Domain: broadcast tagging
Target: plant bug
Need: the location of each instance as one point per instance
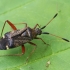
(19, 37)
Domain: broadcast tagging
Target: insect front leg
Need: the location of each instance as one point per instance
(41, 40)
(36, 26)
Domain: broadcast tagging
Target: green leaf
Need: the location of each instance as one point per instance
(53, 57)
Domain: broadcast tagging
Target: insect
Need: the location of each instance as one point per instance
(19, 37)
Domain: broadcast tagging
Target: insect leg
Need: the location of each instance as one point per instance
(41, 40)
(21, 23)
(56, 36)
(23, 51)
(32, 50)
(36, 26)
(11, 24)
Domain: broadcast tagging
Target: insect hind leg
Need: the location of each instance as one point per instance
(11, 25)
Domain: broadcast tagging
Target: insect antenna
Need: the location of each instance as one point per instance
(50, 21)
(56, 36)
(53, 34)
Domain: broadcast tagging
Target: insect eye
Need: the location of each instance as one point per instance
(38, 31)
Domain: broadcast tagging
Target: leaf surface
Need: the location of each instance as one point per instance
(53, 57)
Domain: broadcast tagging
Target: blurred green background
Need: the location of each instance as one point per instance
(33, 12)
